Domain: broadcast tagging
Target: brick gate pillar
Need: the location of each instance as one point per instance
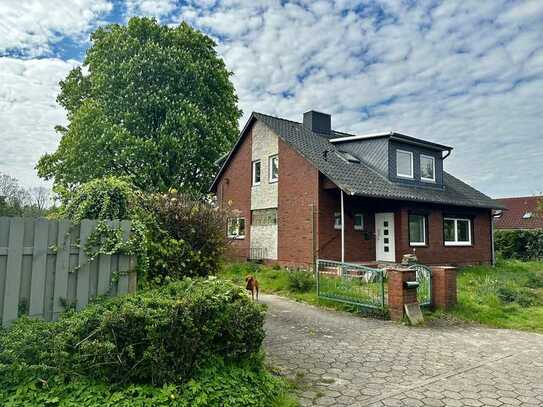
(443, 287)
(398, 293)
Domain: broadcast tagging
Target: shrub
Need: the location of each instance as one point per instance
(221, 385)
(535, 280)
(154, 337)
(521, 296)
(520, 244)
(101, 198)
(187, 236)
(300, 281)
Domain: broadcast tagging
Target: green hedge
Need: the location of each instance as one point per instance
(245, 385)
(519, 244)
(154, 337)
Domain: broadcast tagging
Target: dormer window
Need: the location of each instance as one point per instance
(427, 168)
(404, 164)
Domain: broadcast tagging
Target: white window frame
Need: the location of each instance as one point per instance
(433, 168)
(337, 215)
(270, 168)
(456, 242)
(253, 172)
(236, 236)
(397, 167)
(359, 227)
(423, 243)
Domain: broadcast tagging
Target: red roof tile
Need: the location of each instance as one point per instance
(517, 208)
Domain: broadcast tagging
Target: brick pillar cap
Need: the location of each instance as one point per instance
(443, 267)
(400, 269)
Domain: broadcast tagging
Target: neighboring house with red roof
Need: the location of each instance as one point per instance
(521, 213)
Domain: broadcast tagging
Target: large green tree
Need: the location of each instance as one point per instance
(152, 103)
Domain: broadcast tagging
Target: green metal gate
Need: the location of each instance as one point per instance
(424, 278)
(351, 284)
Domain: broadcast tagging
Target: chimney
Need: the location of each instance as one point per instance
(318, 122)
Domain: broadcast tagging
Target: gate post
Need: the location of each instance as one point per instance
(400, 293)
(443, 287)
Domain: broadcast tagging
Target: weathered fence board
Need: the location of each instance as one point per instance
(44, 268)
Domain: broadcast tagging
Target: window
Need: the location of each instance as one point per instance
(417, 230)
(427, 168)
(457, 232)
(337, 220)
(236, 228)
(358, 221)
(256, 172)
(404, 164)
(264, 217)
(274, 168)
(527, 215)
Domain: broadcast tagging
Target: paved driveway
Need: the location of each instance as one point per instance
(345, 360)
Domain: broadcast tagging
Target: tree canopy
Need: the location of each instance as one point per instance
(152, 103)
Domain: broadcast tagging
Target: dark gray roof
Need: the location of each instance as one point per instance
(359, 178)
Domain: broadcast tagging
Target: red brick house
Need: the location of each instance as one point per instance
(338, 196)
(521, 214)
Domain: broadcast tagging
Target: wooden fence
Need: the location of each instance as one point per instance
(44, 269)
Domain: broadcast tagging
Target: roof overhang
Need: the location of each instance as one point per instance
(394, 135)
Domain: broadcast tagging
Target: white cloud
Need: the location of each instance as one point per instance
(154, 8)
(30, 26)
(468, 74)
(28, 113)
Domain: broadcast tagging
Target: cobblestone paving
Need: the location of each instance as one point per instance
(344, 360)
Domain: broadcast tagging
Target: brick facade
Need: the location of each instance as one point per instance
(298, 198)
(234, 192)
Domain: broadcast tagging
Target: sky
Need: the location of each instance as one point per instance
(463, 73)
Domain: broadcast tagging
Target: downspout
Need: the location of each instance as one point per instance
(342, 230)
(493, 254)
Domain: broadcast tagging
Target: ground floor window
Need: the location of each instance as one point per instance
(417, 230)
(264, 217)
(236, 228)
(358, 221)
(457, 231)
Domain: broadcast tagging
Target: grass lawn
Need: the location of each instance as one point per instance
(276, 281)
(509, 295)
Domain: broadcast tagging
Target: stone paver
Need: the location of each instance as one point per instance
(344, 360)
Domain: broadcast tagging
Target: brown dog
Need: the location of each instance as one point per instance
(252, 286)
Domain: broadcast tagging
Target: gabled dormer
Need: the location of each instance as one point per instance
(402, 159)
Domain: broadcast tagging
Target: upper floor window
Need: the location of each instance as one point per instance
(358, 221)
(274, 168)
(427, 168)
(457, 232)
(256, 172)
(404, 164)
(417, 230)
(236, 228)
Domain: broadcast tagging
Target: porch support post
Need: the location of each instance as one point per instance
(342, 230)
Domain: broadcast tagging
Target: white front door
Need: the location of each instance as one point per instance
(384, 237)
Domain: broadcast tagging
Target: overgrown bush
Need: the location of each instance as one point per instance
(300, 281)
(101, 198)
(520, 244)
(187, 237)
(153, 337)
